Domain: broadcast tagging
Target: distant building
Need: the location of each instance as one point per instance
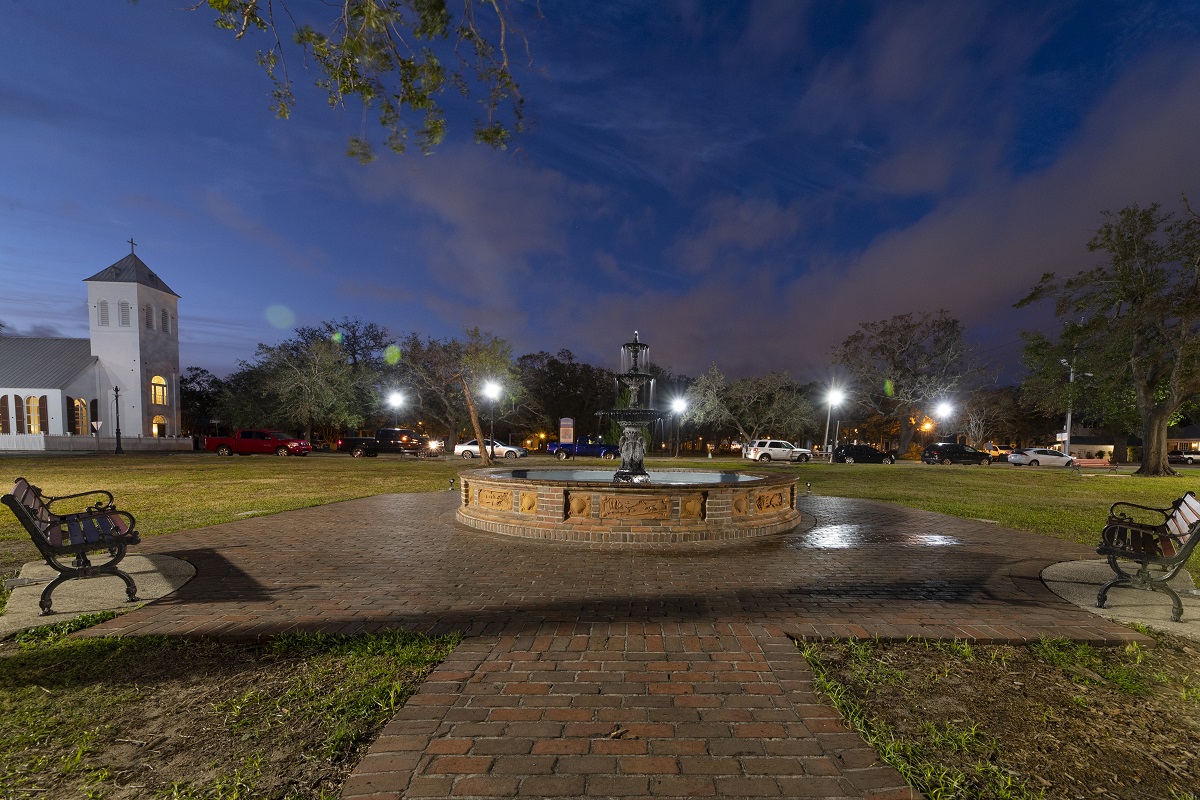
(59, 394)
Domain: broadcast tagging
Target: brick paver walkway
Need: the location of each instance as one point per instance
(600, 671)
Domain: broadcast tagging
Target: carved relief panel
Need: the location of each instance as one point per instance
(579, 504)
(768, 501)
(496, 499)
(691, 506)
(627, 507)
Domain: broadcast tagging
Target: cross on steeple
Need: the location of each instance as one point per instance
(132, 245)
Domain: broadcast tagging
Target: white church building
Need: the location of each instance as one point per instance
(62, 394)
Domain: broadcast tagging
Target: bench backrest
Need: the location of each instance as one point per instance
(30, 499)
(1182, 523)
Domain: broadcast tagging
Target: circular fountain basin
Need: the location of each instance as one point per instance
(584, 505)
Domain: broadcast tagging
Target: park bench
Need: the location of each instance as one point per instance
(97, 526)
(1093, 463)
(1164, 541)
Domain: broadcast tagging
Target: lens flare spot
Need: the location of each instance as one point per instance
(889, 388)
(281, 317)
(392, 355)
(337, 337)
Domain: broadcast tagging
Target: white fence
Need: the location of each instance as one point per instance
(42, 442)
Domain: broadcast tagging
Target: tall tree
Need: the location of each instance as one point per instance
(757, 406)
(428, 367)
(397, 57)
(445, 374)
(364, 345)
(1139, 314)
(198, 392)
(314, 383)
(560, 386)
(899, 366)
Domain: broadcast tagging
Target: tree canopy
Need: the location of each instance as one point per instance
(398, 57)
(1135, 318)
(898, 367)
(771, 405)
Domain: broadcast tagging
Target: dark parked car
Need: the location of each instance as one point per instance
(1183, 457)
(861, 454)
(954, 453)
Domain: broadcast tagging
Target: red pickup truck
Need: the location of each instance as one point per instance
(247, 442)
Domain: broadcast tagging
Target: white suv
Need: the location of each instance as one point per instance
(775, 450)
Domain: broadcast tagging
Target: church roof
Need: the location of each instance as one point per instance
(35, 363)
(131, 269)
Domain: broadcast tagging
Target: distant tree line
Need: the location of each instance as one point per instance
(1126, 362)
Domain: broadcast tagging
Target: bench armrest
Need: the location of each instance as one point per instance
(1120, 512)
(103, 501)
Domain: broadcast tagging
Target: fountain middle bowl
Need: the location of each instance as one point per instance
(584, 505)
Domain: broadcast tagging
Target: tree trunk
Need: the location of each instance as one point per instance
(1154, 444)
(1120, 448)
(906, 433)
(484, 453)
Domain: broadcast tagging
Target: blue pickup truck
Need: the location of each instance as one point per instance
(593, 446)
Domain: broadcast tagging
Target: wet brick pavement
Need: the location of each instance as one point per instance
(605, 671)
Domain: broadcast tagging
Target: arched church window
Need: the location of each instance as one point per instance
(165, 327)
(158, 426)
(4, 414)
(80, 417)
(158, 391)
(103, 311)
(149, 318)
(33, 415)
(123, 309)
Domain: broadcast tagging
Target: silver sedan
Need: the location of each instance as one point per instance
(1040, 456)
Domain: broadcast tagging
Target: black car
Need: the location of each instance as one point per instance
(954, 453)
(861, 454)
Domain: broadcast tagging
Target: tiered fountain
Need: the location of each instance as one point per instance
(633, 420)
(632, 506)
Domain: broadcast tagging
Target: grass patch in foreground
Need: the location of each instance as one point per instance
(996, 722)
(152, 717)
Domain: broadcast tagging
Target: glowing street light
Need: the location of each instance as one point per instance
(395, 400)
(491, 390)
(678, 405)
(943, 412)
(836, 396)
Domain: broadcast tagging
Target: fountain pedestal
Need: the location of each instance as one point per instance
(632, 419)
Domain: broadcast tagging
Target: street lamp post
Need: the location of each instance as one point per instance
(491, 390)
(120, 451)
(394, 401)
(1070, 365)
(835, 398)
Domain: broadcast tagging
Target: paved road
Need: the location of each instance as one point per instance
(603, 671)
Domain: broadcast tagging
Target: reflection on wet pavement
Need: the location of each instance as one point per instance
(833, 537)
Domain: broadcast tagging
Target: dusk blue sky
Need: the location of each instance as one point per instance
(742, 183)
